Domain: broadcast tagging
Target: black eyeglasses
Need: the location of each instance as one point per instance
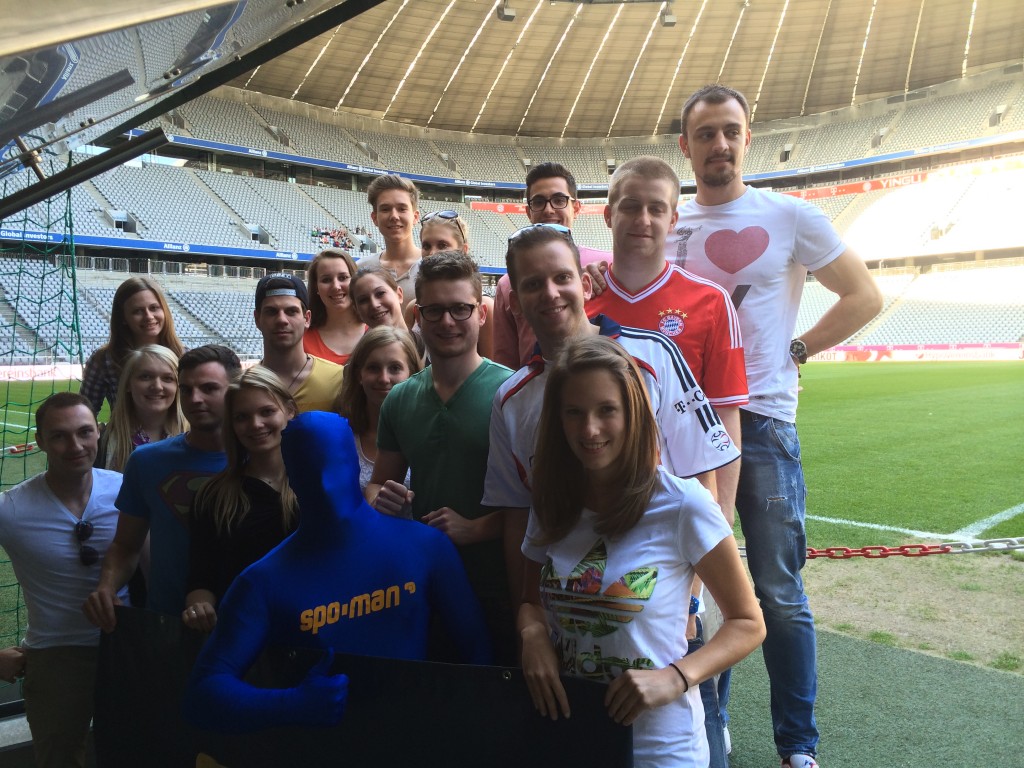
(558, 201)
(434, 312)
(560, 229)
(87, 554)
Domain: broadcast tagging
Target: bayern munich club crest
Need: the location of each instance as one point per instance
(670, 321)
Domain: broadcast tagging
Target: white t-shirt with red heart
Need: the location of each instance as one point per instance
(759, 247)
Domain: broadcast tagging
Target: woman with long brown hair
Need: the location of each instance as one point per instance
(334, 327)
(384, 357)
(614, 542)
(139, 316)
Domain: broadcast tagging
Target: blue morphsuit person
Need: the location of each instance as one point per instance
(350, 579)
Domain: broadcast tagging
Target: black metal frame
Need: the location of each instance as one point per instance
(115, 156)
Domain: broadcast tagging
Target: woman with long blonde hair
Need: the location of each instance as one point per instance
(248, 508)
(139, 316)
(147, 406)
(613, 544)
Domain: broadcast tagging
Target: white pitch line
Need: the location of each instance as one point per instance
(974, 529)
(877, 527)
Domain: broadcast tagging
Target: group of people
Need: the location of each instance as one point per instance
(547, 480)
(334, 238)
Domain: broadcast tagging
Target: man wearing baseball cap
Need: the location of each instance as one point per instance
(282, 317)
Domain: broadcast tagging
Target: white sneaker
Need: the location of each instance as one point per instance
(727, 738)
(799, 761)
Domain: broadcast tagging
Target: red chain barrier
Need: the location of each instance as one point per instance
(879, 552)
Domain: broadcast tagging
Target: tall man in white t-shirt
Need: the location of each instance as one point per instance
(55, 527)
(759, 246)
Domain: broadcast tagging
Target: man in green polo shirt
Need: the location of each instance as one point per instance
(436, 423)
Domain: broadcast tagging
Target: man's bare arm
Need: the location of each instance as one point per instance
(727, 478)
(859, 301)
(385, 491)
(119, 564)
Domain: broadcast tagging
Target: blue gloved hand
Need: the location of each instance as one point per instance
(320, 698)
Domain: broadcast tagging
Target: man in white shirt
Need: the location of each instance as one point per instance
(550, 199)
(549, 291)
(759, 246)
(56, 527)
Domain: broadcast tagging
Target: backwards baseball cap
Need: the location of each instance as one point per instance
(280, 284)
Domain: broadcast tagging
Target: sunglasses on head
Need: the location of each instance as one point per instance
(560, 229)
(449, 215)
(439, 215)
(87, 554)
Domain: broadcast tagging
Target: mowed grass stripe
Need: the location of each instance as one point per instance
(926, 446)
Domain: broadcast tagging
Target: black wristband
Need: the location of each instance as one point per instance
(680, 673)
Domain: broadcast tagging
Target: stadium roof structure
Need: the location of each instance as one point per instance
(598, 69)
(571, 68)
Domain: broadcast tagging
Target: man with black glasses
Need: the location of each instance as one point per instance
(550, 199)
(55, 527)
(436, 424)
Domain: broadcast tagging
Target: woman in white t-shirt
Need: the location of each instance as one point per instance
(613, 542)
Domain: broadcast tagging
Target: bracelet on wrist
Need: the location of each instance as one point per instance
(686, 682)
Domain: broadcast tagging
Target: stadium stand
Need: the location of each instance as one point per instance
(228, 314)
(284, 211)
(821, 145)
(589, 164)
(406, 153)
(170, 204)
(959, 306)
(227, 121)
(942, 119)
(314, 138)
(960, 213)
(484, 161)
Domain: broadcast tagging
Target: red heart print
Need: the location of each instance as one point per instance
(732, 251)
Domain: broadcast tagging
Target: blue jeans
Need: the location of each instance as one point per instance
(771, 504)
(712, 718)
(724, 681)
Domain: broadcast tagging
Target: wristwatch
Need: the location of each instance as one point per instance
(694, 604)
(798, 351)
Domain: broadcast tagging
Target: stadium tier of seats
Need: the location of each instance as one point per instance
(963, 305)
